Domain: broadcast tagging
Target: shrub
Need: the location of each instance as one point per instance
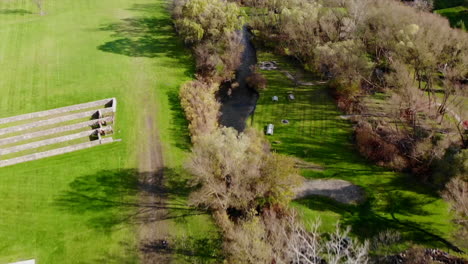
(211, 27)
(257, 81)
(237, 173)
(374, 147)
(200, 106)
(198, 20)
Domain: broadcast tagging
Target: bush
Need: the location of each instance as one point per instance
(200, 106)
(257, 81)
(199, 20)
(211, 26)
(237, 173)
(372, 146)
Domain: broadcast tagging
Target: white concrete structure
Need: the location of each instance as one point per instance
(31, 261)
(291, 97)
(38, 133)
(270, 129)
(275, 98)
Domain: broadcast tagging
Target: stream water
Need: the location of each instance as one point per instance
(238, 103)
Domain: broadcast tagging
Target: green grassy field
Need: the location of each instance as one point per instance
(82, 207)
(317, 134)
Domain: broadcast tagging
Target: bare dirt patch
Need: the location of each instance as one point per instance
(338, 190)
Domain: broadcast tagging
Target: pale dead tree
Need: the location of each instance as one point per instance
(460, 120)
(343, 249)
(310, 247)
(40, 6)
(358, 12)
(304, 246)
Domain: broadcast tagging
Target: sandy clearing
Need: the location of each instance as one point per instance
(338, 190)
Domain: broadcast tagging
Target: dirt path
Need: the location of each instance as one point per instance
(153, 229)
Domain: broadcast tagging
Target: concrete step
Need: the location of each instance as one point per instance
(52, 121)
(58, 111)
(47, 142)
(55, 152)
(55, 130)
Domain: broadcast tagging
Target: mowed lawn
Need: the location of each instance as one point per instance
(82, 207)
(317, 134)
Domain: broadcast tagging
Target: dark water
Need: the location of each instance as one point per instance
(238, 103)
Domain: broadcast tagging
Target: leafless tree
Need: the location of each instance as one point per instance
(310, 247)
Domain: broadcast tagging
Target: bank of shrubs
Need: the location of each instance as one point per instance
(210, 28)
(362, 47)
(245, 186)
(366, 46)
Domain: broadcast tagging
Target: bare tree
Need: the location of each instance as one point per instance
(310, 247)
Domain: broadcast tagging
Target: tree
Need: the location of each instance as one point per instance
(200, 106)
(346, 62)
(236, 172)
(295, 244)
(211, 28)
(198, 20)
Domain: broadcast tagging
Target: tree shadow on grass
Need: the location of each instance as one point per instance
(149, 37)
(179, 126)
(366, 222)
(204, 250)
(110, 199)
(14, 12)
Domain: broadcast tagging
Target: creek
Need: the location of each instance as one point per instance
(238, 101)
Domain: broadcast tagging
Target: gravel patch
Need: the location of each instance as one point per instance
(338, 190)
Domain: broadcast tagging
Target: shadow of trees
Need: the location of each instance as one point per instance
(109, 200)
(14, 12)
(366, 222)
(204, 250)
(179, 127)
(110, 197)
(147, 36)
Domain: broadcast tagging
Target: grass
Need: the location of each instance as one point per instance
(317, 134)
(456, 11)
(81, 207)
(441, 4)
(455, 15)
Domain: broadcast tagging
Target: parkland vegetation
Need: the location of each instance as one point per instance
(369, 94)
(399, 73)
